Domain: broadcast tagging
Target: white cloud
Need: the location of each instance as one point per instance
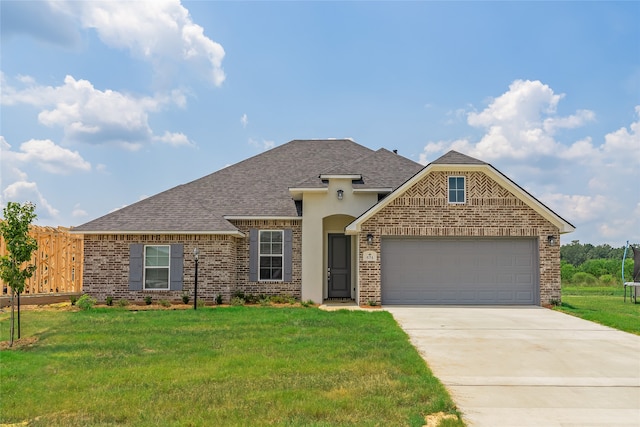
(78, 212)
(577, 207)
(622, 228)
(161, 32)
(23, 191)
(9, 170)
(176, 139)
(521, 122)
(592, 182)
(244, 120)
(93, 116)
(579, 150)
(51, 157)
(624, 144)
(434, 149)
(43, 154)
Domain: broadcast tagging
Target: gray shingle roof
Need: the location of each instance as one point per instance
(379, 169)
(455, 158)
(258, 186)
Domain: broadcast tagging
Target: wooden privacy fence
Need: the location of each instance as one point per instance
(58, 261)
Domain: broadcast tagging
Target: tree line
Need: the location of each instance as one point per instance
(602, 262)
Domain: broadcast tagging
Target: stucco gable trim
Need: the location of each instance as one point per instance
(563, 225)
(340, 176)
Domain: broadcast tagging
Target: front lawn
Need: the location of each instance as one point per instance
(216, 366)
(604, 305)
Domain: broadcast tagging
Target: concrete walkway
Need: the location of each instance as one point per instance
(528, 366)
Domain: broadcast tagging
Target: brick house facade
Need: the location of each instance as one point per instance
(490, 211)
(316, 219)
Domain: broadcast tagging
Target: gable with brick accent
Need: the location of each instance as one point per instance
(495, 210)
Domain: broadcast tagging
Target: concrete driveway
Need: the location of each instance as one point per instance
(528, 366)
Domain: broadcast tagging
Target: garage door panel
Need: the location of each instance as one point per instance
(459, 271)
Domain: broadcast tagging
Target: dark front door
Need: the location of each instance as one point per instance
(339, 268)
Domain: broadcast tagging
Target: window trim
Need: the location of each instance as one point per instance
(464, 190)
(144, 269)
(281, 255)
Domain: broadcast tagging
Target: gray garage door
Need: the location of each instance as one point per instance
(459, 271)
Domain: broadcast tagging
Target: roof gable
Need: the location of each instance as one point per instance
(455, 158)
(466, 163)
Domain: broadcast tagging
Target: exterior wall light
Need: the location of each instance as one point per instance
(369, 238)
(340, 194)
(551, 240)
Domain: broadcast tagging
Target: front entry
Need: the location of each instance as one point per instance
(339, 266)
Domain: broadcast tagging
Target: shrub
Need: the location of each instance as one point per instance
(567, 271)
(148, 300)
(85, 302)
(251, 299)
(237, 301)
(607, 279)
(265, 301)
(238, 294)
(599, 267)
(109, 300)
(307, 303)
(584, 279)
(283, 299)
(123, 302)
(165, 303)
(185, 298)
(73, 299)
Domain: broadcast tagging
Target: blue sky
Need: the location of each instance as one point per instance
(105, 103)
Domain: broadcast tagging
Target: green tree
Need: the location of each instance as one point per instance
(20, 246)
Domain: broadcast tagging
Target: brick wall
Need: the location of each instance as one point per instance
(490, 211)
(106, 266)
(293, 288)
(223, 266)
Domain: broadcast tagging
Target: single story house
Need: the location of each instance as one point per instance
(332, 219)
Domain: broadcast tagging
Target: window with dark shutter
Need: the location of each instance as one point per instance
(270, 255)
(136, 267)
(176, 267)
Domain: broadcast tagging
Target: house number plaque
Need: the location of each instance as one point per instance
(370, 256)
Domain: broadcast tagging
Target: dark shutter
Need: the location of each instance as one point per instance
(288, 255)
(253, 255)
(136, 260)
(176, 266)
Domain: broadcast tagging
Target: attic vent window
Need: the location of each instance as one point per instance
(457, 189)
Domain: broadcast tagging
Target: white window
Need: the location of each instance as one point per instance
(457, 189)
(271, 254)
(156, 267)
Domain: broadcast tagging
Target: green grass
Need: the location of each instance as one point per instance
(603, 305)
(216, 366)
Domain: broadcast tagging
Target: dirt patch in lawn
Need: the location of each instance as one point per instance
(19, 344)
